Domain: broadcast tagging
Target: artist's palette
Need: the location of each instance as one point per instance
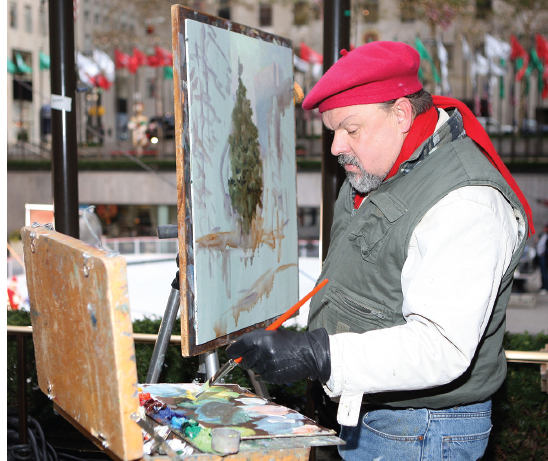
(227, 406)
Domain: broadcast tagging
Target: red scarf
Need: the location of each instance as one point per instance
(423, 127)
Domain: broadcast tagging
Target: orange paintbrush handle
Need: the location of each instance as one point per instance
(292, 310)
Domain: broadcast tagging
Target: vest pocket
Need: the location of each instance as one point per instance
(346, 311)
(381, 214)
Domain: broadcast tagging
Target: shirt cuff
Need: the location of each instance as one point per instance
(350, 402)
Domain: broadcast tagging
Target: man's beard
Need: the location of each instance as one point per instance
(363, 182)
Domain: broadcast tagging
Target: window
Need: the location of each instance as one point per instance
(265, 14)
(483, 8)
(408, 11)
(301, 13)
(43, 20)
(28, 19)
(224, 9)
(88, 44)
(13, 15)
(151, 88)
(22, 82)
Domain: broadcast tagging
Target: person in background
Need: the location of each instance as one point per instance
(428, 229)
(541, 253)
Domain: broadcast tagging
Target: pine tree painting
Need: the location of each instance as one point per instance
(245, 185)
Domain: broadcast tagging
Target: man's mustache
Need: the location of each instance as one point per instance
(348, 159)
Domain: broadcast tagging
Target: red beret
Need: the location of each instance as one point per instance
(372, 73)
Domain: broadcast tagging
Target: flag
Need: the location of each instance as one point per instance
(300, 64)
(520, 56)
(424, 54)
(136, 60)
(164, 56)
(444, 59)
(44, 61)
(87, 69)
(542, 52)
(168, 73)
(496, 49)
(154, 61)
(536, 64)
(481, 64)
(139, 56)
(23, 67)
(12, 68)
(501, 79)
(466, 52)
(309, 55)
(105, 63)
(121, 59)
(102, 82)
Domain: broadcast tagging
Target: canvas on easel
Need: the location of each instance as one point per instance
(236, 177)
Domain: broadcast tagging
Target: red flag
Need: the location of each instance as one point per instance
(542, 47)
(102, 82)
(139, 56)
(121, 59)
(542, 52)
(518, 52)
(133, 64)
(153, 61)
(309, 55)
(165, 58)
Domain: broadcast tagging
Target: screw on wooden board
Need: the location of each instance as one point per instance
(86, 268)
(33, 242)
(50, 387)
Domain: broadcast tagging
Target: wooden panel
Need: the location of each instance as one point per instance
(82, 330)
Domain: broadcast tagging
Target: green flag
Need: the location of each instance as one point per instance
(22, 65)
(12, 68)
(168, 73)
(44, 61)
(501, 79)
(424, 54)
(537, 65)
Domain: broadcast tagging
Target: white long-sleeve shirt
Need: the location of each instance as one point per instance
(457, 256)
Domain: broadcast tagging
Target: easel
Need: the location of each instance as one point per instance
(85, 355)
(209, 361)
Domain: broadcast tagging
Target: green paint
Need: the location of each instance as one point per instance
(244, 431)
(199, 436)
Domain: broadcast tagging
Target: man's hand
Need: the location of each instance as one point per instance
(284, 356)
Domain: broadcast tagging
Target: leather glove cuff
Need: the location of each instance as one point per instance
(319, 342)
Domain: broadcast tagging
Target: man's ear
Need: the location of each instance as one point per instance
(404, 114)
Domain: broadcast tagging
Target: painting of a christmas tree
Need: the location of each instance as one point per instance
(245, 184)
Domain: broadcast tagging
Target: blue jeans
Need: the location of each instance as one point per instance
(453, 434)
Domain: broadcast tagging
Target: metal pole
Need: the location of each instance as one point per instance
(336, 36)
(164, 335)
(63, 117)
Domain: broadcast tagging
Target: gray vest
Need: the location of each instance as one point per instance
(369, 247)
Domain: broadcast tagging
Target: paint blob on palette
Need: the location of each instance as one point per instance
(226, 405)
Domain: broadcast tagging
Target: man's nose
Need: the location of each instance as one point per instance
(338, 146)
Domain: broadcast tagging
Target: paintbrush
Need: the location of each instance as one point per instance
(228, 366)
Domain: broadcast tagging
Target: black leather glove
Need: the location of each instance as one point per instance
(284, 356)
